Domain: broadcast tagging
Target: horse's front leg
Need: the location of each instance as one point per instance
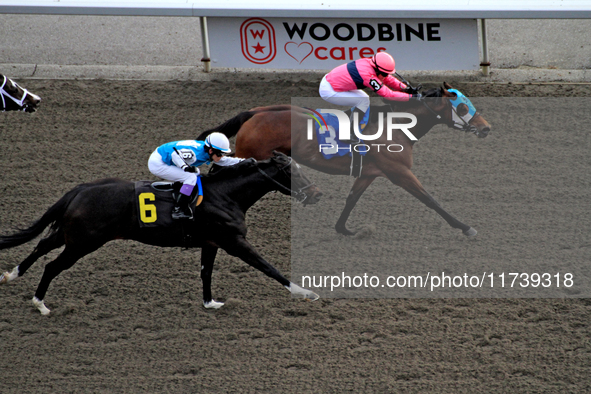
(208, 254)
(242, 249)
(409, 182)
(359, 186)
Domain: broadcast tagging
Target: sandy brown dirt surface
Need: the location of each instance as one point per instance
(128, 318)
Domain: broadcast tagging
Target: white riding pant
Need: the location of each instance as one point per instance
(352, 98)
(169, 173)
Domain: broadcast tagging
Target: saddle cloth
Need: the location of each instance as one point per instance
(328, 141)
(154, 205)
(155, 201)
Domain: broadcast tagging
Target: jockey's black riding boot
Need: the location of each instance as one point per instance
(182, 209)
(360, 114)
(356, 158)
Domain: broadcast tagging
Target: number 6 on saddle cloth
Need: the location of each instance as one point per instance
(155, 201)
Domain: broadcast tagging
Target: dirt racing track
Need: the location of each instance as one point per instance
(128, 318)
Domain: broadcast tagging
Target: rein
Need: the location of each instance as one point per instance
(297, 194)
(3, 93)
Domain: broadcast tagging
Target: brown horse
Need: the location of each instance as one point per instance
(15, 98)
(284, 128)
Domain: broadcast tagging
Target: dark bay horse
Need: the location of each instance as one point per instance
(15, 98)
(92, 214)
(284, 128)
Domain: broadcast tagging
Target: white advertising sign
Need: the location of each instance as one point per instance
(322, 44)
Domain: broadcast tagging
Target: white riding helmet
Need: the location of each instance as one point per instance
(218, 141)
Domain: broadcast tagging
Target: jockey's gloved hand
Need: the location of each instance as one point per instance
(411, 90)
(417, 96)
(250, 160)
(191, 169)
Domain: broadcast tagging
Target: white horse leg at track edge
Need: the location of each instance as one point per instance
(41, 306)
(471, 232)
(301, 292)
(213, 304)
(9, 276)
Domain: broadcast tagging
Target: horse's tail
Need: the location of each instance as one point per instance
(52, 217)
(230, 127)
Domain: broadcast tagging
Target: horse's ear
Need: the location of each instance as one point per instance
(277, 154)
(445, 91)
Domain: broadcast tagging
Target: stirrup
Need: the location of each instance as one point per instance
(178, 213)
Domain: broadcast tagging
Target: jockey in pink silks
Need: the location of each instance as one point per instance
(344, 84)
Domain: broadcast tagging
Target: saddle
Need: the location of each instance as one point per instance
(175, 189)
(155, 201)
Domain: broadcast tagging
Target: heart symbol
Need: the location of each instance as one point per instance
(299, 52)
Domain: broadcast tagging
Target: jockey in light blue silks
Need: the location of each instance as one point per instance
(177, 161)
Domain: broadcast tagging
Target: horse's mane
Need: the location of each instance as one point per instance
(401, 105)
(435, 92)
(227, 172)
(223, 173)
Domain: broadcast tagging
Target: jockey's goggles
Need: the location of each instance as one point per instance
(217, 152)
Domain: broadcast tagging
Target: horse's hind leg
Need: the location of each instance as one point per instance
(46, 245)
(63, 262)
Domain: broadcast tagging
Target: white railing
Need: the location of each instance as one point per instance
(454, 9)
(326, 9)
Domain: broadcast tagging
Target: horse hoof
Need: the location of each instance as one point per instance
(298, 291)
(213, 304)
(9, 276)
(470, 232)
(345, 231)
(311, 296)
(41, 306)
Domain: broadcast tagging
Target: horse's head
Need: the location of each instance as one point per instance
(290, 178)
(15, 98)
(457, 110)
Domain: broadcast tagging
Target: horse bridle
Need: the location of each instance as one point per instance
(467, 127)
(299, 194)
(3, 93)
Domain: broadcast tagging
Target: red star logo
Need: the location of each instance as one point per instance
(258, 48)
